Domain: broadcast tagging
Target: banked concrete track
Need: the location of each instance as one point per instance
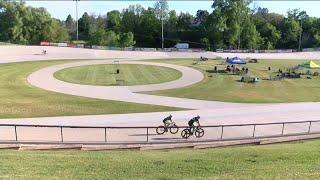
(212, 113)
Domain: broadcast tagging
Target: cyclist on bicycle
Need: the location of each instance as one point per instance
(193, 123)
(167, 121)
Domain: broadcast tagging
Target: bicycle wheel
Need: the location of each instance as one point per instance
(160, 130)
(174, 129)
(199, 132)
(185, 133)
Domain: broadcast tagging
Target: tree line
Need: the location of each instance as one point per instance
(230, 25)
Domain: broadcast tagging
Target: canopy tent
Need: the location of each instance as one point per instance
(236, 60)
(310, 65)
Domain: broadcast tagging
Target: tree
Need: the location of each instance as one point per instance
(113, 21)
(206, 44)
(251, 38)
(84, 26)
(59, 32)
(98, 37)
(112, 38)
(161, 9)
(170, 29)
(201, 17)
(70, 26)
(130, 18)
(126, 40)
(148, 29)
(11, 23)
(290, 33)
(233, 13)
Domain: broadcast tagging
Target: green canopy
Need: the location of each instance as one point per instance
(310, 65)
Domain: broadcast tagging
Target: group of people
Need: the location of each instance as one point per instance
(234, 69)
(193, 122)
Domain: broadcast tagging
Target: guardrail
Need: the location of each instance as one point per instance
(146, 134)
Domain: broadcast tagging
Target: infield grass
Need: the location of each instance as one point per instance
(226, 87)
(130, 74)
(19, 99)
(300, 160)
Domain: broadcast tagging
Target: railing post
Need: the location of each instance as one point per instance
(282, 129)
(254, 130)
(309, 127)
(61, 134)
(147, 134)
(15, 132)
(221, 132)
(105, 134)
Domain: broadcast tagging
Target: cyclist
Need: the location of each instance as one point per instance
(167, 121)
(193, 123)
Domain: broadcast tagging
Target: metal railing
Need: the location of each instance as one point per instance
(146, 134)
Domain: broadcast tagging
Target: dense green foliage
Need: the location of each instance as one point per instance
(27, 25)
(230, 25)
(130, 74)
(299, 160)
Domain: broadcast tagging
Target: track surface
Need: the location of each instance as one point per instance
(212, 113)
(44, 79)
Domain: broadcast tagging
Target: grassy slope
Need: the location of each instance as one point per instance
(105, 74)
(227, 88)
(19, 99)
(281, 161)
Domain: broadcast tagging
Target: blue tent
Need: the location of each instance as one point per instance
(236, 60)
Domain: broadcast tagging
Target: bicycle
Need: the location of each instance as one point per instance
(197, 131)
(173, 128)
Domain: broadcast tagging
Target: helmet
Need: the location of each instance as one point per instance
(198, 117)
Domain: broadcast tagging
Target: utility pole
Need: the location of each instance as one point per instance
(239, 39)
(300, 38)
(162, 39)
(77, 19)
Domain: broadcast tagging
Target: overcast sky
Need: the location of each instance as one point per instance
(60, 9)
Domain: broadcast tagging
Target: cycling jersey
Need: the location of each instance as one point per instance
(194, 121)
(167, 120)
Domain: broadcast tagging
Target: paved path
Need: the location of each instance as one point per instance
(45, 79)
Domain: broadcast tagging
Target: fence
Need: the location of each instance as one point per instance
(99, 134)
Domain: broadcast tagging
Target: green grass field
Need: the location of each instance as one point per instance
(19, 99)
(105, 74)
(224, 87)
(299, 160)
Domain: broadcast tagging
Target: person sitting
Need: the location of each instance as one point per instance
(167, 121)
(228, 68)
(193, 123)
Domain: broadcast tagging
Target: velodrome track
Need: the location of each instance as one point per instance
(212, 113)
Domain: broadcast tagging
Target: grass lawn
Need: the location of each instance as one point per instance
(19, 99)
(299, 160)
(224, 87)
(105, 74)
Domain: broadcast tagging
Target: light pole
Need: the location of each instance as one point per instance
(77, 19)
(300, 38)
(162, 39)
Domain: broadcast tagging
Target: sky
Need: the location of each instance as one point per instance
(61, 9)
